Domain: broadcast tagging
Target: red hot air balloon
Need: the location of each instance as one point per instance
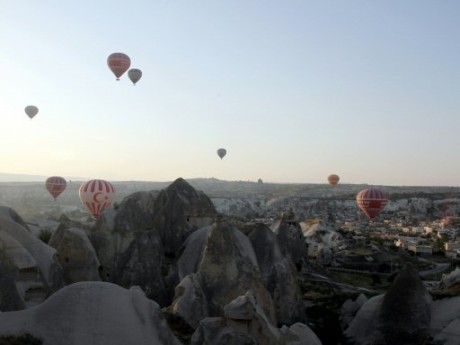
(333, 179)
(118, 63)
(96, 196)
(371, 201)
(55, 185)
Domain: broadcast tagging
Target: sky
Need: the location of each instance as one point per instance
(295, 90)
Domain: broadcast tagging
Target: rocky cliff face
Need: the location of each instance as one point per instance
(118, 227)
(290, 238)
(174, 213)
(279, 275)
(227, 269)
(180, 210)
(141, 264)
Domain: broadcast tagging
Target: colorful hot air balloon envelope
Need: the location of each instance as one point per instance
(31, 111)
(221, 153)
(118, 64)
(96, 196)
(135, 75)
(55, 185)
(333, 179)
(371, 201)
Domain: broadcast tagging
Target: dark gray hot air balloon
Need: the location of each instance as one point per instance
(31, 111)
(221, 153)
(135, 74)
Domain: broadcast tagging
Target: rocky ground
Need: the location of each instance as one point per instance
(176, 266)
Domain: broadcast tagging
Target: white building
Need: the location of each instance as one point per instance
(420, 249)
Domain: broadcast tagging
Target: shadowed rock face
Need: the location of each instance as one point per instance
(290, 237)
(279, 275)
(405, 315)
(75, 254)
(9, 297)
(244, 322)
(141, 264)
(174, 213)
(118, 227)
(180, 210)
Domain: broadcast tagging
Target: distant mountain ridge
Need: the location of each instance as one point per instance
(7, 177)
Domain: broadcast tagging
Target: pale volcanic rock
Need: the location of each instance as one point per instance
(75, 254)
(244, 322)
(38, 273)
(92, 313)
(227, 269)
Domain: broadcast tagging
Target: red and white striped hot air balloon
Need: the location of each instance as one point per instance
(118, 63)
(55, 185)
(333, 179)
(96, 196)
(371, 201)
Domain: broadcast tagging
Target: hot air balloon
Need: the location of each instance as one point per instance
(55, 185)
(371, 201)
(118, 63)
(96, 195)
(333, 179)
(31, 111)
(135, 75)
(221, 153)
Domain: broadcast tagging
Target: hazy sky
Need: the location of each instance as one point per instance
(294, 90)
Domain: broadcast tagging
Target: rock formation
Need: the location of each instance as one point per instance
(141, 264)
(179, 211)
(451, 281)
(278, 273)
(75, 254)
(38, 273)
(92, 313)
(405, 314)
(227, 269)
(244, 322)
(401, 316)
(119, 226)
(291, 240)
(10, 299)
(174, 213)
